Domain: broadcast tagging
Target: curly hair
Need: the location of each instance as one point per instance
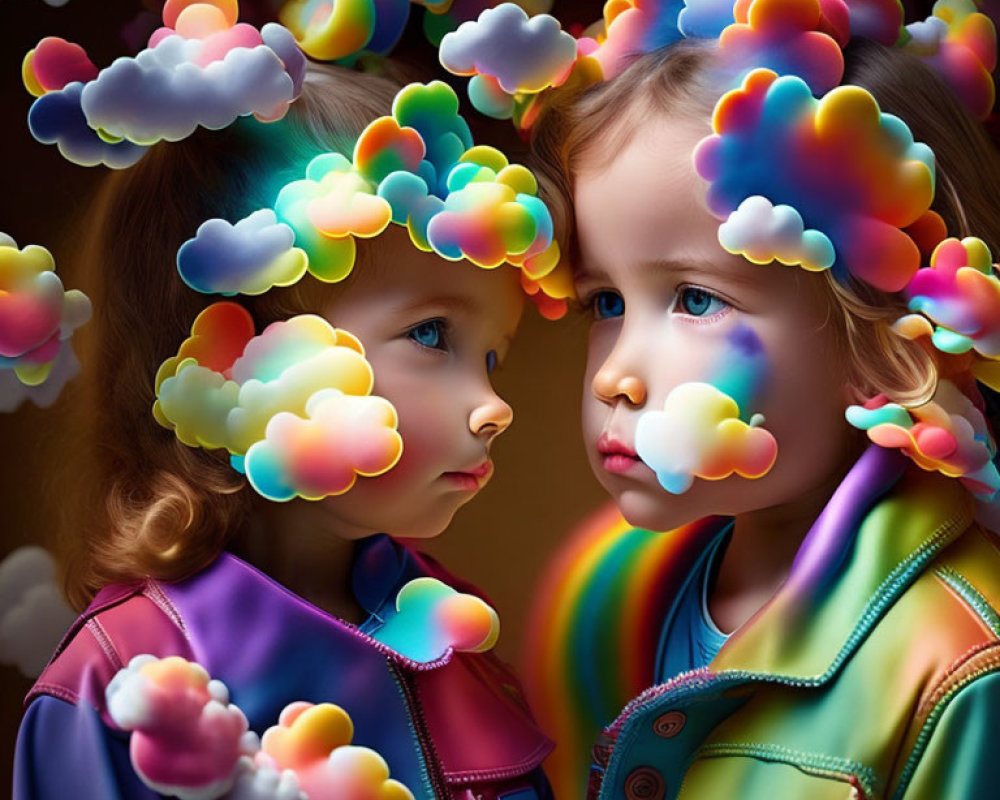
(142, 503)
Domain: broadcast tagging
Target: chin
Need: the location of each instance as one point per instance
(431, 524)
(654, 509)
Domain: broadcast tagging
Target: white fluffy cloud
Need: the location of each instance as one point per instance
(249, 257)
(161, 94)
(33, 614)
(524, 54)
(762, 232)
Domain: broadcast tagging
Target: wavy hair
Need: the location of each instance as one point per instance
(679, 80)
(142, 504)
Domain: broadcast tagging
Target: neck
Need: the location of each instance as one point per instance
(760, 553)
(300, 546)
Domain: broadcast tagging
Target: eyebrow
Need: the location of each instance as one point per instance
(457, 302)
(583, 271)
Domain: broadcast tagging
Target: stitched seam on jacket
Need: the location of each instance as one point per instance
(625, 729)
(971, 595)
(104, 642)
(157, 597)
(523, 767)
(424, 773)
(984, 661)
(819, 763)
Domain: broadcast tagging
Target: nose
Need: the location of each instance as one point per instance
(616, 381)
(491, 417)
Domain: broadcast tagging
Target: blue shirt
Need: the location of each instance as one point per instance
(690, 639)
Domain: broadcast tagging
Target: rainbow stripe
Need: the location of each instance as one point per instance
(595, 630)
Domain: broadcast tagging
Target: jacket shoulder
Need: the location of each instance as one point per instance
(123, 621)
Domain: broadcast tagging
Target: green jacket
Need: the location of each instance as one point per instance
(873, 673)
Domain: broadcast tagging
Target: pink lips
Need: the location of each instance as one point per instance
(471, 480)
(618, 457)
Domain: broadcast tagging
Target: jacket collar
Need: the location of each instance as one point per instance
(883, 525)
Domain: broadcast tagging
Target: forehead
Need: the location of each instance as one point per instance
(644, 203)
(397, 277)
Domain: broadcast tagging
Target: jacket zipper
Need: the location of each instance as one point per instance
(420, 728)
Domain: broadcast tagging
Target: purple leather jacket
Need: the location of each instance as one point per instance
(452, 729)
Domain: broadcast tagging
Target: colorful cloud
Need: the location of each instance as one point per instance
(342, 437)
(523, 54)
(187, 739)
(948, 434)
(314, 741)
(852, 172)
(63, 369)
(33, 614)
(699, 434)
(491, 213)
(960, 294)
(249, 257)
(329, 31)
(960, 44)
(785, 36)
(417, 168)
(298, 387)
(432, 111)
(762, 233)
(37, 316)
(201, 69)
(879, 20)
(432, 618)
(57, 118)
(705, 19)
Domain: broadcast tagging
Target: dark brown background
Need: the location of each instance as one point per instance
(500, 541)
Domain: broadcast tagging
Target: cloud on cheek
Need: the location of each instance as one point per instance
(342, 437)
(699, 434)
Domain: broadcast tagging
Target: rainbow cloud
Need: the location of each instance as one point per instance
(343, 436)
(37, 316)
(762, 233)
(784, 36)
(491, 214)
(417, 168)
(202, 68)
(947, 434)
(314, 742)
(699, 434)
(187, 739)
(13, 393)
(432, 618)
(521, 54)
(852, 172)
(246, 258)
(958, 296)
(226, 386)
(961, 45)
(705, 19)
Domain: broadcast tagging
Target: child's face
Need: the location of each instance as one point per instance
(670, 306)
(433, 331)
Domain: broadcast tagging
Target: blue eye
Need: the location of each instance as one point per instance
(429, 334)
(491, 361)
(608, 304)
(699, 302)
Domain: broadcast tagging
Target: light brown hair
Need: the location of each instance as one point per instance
(144, 504)
(681, 80)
